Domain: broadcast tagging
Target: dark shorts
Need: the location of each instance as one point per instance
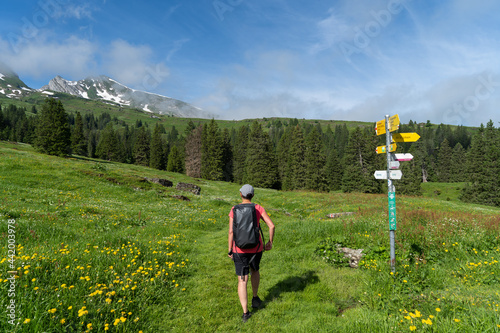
(243, 262)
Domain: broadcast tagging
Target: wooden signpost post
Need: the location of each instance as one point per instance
(387, 126)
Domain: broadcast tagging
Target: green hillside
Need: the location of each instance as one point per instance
(74, 104)
(99, 248)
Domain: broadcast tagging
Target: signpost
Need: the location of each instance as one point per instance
(386, 126)
(393, 174)
(393, 123)
(380, 128)
(403, 157)
(405, 137)
(383, 149)
(394, 165)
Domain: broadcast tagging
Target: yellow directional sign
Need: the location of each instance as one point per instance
(380, 128)
(405, 137)
(394, 123)
(382, 149)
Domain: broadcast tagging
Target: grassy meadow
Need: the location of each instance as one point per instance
(100, 249)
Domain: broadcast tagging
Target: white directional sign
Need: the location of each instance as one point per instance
(382, 174)
(394, 165)
(403, 157)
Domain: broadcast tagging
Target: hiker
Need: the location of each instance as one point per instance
(246, 259)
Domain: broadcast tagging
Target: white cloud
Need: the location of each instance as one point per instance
(72, 57)
(132, 65)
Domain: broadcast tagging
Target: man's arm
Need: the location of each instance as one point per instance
(271, 227)
(230, 238)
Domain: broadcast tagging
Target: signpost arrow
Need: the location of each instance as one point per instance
(383, 149)
(394, 165)
(393, 174)
(403, 157)
(394, 123)
(405, 137)
(380, 128)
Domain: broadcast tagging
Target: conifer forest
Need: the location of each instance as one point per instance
(285, 154)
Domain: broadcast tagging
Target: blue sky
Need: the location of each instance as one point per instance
(340, 60)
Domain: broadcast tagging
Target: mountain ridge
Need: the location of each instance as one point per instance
(101, 88)
(109, 90)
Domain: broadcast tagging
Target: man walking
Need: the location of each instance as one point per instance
(247, 260)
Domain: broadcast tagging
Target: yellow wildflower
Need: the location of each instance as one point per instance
(427, 321)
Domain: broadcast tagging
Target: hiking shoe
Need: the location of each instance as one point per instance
(246, 316)
(256, 302)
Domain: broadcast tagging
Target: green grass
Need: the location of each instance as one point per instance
(443, 191)
(96, 244)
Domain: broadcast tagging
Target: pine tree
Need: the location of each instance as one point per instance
(227, 156)
(297, 168)
(476, 165)
(108, 145)
(78, 142)
(157, 150)
(333, 171)
(142, 147)
(315, 161)
(372, 161)
(240, 154)
(341, 139)
(458, 158)
(92, 143)
(444, 157)
(53, 134)
(212, 152)
(261, 170)
(193, 152)
(360, 164)
(190, 127)
(175, 160)
(282, 153)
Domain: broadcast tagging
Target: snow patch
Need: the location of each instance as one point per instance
(1, 76)
(145, 108)
(47, 92)
(2, 91)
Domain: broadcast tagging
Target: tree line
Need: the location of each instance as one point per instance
(280, 154)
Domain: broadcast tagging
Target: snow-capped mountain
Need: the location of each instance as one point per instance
(11, 85)
(109, 90)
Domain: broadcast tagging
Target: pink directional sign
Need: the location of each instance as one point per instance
(403, 157)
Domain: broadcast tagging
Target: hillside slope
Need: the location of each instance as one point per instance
(97, 245)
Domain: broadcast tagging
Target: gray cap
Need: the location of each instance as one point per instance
(246, 189)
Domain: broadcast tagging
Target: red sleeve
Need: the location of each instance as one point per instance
(260, 211)
(231, 212)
